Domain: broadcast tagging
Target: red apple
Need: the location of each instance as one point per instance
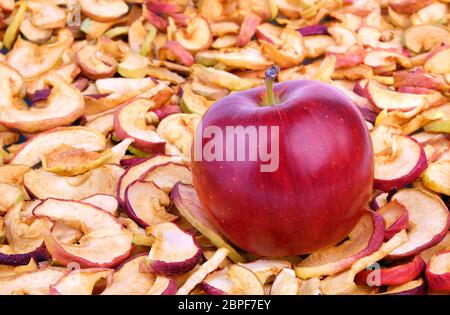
(310, 192)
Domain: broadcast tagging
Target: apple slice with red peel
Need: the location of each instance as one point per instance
(81, 281)
(213, 263)
(94, 63)
(428, 221)
(146, 203)
(248, 28)
(173, 51)
(399, 164)
(265, 269)
(134, 172)
(417, 78)
(78, 137)
(8, 271)
(440, 247)
(379, 200)
(102, 180)
(285, 283)
(197, 36)
(290, 52)
(105, 242)
(365, 238)
(438, 272)
(396, 218)
(165, 176)
(379, 58)
(392, 275)
(131, 121)
(269, 33)
(415, 287)
(174, 251)
(409, 6)
(163, 286)
(36, 282)
(437, 60)
(244, 281)
(218, 283)
(384, 98)
(105, 202)
(186, 201)
(127, 278)
(104, 11)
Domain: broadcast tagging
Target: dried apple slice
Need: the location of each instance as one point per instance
(178, 132)
(105, 202)
(36, 282)
(380, 58)
(12, 174)
(365, 238)
(400, 164)
(193, 103)
(248, 28)
(165, 176)
(135, 172)
(317, 45)
(436, 177)
(11, 194)
(245, 58)
(392, 275)
(102, 180)
(80, 282)
(289, 53)
(77, 137)
(47, 15)
(104, 11)
(197, 36)
(174, 251)
(217, 283)
(186, 201)
(437, 60)
(33, 33)
(105, 242)
(443, 245)
(438, 272)
(428, 221)
(384, 98)
(146, 203)
(285, 283)
(94, 63)
(408, 6)
(163, 286)
(133, 66)
(13, 29)
(421, 38)
(199, 275)
(174, 51)
(8, 271)
(266, 269)
(127, 278)
(131, 121)
(415, 287)
(244, 281)
(417, 78)
(396, 218)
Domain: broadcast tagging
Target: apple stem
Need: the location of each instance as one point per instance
(270, 76)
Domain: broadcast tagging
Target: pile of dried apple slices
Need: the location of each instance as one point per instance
(96, 129)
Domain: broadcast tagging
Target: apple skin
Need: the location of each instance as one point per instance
(438, 282)
(323, 182)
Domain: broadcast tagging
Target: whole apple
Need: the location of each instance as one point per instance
(284, 171)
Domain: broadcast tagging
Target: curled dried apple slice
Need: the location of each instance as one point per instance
(94, 63)
(127, 278)
(66, 160)
(400, 164)
(317, 45)
(248, 28)
(193, 103)
(197, 36)
(396, 218)
(174, 51)
(217, 283)
(414, 287)
(436, 177)
(285, 283)
(178, 132)
(428, 221)
(104, 11)
(174, 251)
(163, 286)
(105, 242)
(266, 269)
(438, 272)
(408, 6)
(392, 275)
(102, 180)
(186, 201)
(47, 15)
(146, 203)
(36, 282)
(80, 282)
(289, 53)
(11, 194)
(135, 171)
(421, 38)
(8, 271)
(78, 137)
(244, 281)
(245, 58)
(105, 202)
(443, 245)
(165, 176)
(380, 58)
(384, 98)
(33, 33)
(199, 275)
(438, 60)
(140, 237)
(133, 121)
(365, 238)
(133, 66)
(32, 60)
(417, 78)
(12, 174)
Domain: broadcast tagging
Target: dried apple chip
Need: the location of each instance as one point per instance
(36, 282)
(80, 282)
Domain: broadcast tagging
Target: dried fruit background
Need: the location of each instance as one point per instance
(91, 91)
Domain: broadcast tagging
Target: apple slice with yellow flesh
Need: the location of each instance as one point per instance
(192, 103)
(165, 176)
(163, 286)
(217, 283)
(77, 137)
(428, 221)
(13, 28)
(197, 36)
(266, 269)
(186, 201)
(81, 281)
(128, 279)
(364, 239)
(244, 281)
(285, 283)
(105, 242)
(105, 202)
(8, 271)
(94, 63)
(104, 11)
(438, 60)
(174, 251)
(396, 218)
(438, 272)
(414, 287)
(442, 246)
(422, 38)
(36, 282)
(436, 177)
(11, 195)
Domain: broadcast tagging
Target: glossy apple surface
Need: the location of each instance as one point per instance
(323, 180)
